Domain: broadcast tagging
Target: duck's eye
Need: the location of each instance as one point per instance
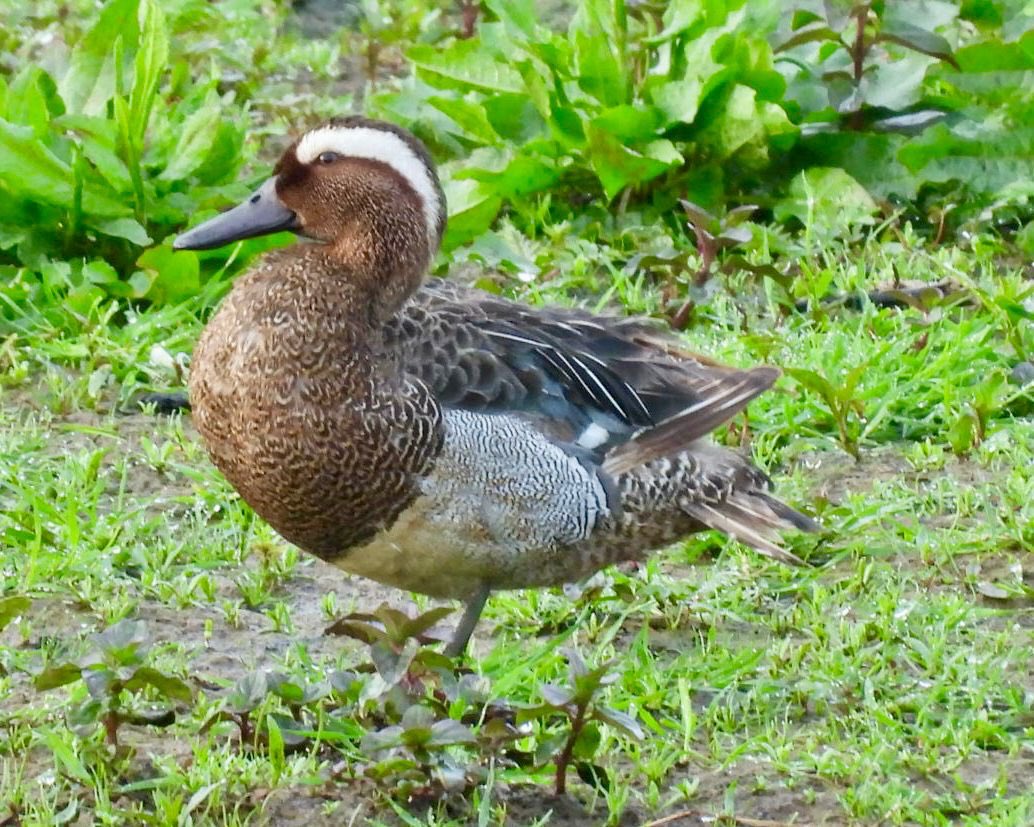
(328, 157)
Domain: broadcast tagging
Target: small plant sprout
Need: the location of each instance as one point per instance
(115, 672)
(577, 703)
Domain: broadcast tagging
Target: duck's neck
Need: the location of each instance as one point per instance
(385, 266)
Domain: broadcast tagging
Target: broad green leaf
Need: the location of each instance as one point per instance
(464, 65)
(815, 383)
(519, 16)
(423, 622)
(223, 162)
(148, 67)
(176, 273)
(869, 158)
(168, 686)
(124, 641)
(588, 741)
(896, 84)
(817, 31)
(89, 82)
(678, 17)
(598, 36)
(248, 693)
(619, 720)
(13, 607)
(520, 175)
(618, 166)
(99, 272)
(98, 138)
(29, 169)
(197, 135)
(32, 100)
(630, 124)
(127, 228)
(557, 697)
(828, 200)
(739, 124)
(679, 98)
(55, 676)
(988, 159)
(918, 39)
(469, 116)
(472, 209)
(449, 731)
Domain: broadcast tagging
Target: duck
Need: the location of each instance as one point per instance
(437, 438)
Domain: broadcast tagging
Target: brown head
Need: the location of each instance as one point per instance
(365, 189)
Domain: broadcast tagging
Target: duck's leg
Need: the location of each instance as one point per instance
(471, 614)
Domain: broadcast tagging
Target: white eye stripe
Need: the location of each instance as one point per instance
(378, 145)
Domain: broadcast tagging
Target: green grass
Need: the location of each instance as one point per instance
(887, 683)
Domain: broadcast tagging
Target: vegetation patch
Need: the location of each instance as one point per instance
(843, 190)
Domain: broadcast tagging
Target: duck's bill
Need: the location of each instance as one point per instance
(261, 214)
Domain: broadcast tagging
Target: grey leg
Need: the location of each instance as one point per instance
(471, 614)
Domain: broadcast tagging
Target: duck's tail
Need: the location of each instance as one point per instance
(755, 518)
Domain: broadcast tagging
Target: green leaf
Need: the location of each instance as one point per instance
(741, 123)
(167, 685)
(918, 39)
(55, 676)
(598, 38)
(197, 136)
(815, 383)
(448, 731)
(630, 124)
(826, 199)
(107, 162)
(124, 641)
(423, 622)
(588, 741)
(89, 82)
(469, 116)
(67, 757)
(869, 158)
(618, 166)
(148, 67)
(964, 433)
(464, 65)
(519, 16)
(177, 274)
(817, 31)
(619, 720)
(32, 100)
(127, 228)
(556, 696)
(473, 207)
(248, 693)
(13, 607)
(29, 169)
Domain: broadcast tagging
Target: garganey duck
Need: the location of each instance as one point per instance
(434, 437)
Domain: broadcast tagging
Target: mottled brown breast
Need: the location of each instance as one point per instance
(323, 443)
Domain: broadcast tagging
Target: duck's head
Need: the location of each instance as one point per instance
(366, 189)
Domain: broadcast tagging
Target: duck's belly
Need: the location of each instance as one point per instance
(503, 507)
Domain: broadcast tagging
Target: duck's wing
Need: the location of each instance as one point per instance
(613, 386)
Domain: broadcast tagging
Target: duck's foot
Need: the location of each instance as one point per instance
(164, 403)
(471, 615)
